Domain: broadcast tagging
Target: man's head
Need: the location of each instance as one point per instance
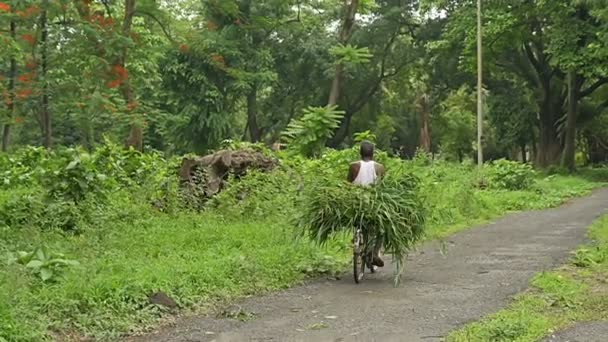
(367, 150)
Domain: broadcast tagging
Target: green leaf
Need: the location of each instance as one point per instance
(46, 273)
(24, 257)
(72, 164)
(34, 264)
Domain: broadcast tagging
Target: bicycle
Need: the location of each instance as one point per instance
(361, 257)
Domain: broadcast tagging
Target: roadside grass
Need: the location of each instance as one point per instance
(198, 260)
(203, 261)
(471, 207)
(576, 292)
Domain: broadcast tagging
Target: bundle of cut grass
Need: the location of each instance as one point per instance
(391, 211)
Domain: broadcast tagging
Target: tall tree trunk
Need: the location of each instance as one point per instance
(136, 135)
(252, 113)
(342, 132)
(45, 115)
(568, 158)
(549, 145)
(6, 130)
(334, 93)
(425, 136)
(524, 158)
(345, 33)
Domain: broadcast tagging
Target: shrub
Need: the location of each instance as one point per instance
(308, 134)
(21, 207)
(510, 175)
(76, 180)
(47, 265)
(261, 195)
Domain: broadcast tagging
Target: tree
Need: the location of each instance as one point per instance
(457, 124)
(576, 50)
(521, 40)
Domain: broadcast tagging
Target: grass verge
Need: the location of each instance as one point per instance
(198, 260)
(483, 205)
(576, 292)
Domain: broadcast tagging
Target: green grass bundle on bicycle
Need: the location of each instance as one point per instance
(379, 210)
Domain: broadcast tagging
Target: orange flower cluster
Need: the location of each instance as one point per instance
(23, 94)
(29, 38)
(120, 75)
(27, 78)
(31, 64)
(6, 98)
(29, 12)
(101, 20)
(132, 105)
(120, 72)
(218, 59)
(4, 7)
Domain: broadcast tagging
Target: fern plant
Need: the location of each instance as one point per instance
(350, 55)
(308, 134)
(364, 136)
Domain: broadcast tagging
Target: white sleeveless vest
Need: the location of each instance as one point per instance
(367, 173)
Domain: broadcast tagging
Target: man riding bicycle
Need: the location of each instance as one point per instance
(366, 172)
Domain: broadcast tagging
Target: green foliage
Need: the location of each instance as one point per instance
(587, 257)
(47, 265)
(364, 136)
(350, 55)
(308, 134)
(232, 247)
(510, 175)
(67, 186)
(457, 124)
(595, 254)
(76, 180)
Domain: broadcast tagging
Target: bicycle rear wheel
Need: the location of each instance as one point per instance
(358, 256)
(358, 266)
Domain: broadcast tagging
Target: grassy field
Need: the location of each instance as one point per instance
(203, 260)
(576, 292)
(198, 260)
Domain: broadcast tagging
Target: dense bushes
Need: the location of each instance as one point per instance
(62, 188)
(510, 175)
(68, 188)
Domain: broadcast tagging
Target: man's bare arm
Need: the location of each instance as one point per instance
(353, 171)
(380, 171)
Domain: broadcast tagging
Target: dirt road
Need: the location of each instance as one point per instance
(482, 269)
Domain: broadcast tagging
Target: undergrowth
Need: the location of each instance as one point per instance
(124, 221)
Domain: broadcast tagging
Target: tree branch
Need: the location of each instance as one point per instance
(532, 58)
(158, 21)
(595, 86)
(107, 6)
(604, 105)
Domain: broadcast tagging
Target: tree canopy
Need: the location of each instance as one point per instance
(184, 75)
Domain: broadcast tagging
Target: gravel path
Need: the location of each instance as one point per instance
(482, 269)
